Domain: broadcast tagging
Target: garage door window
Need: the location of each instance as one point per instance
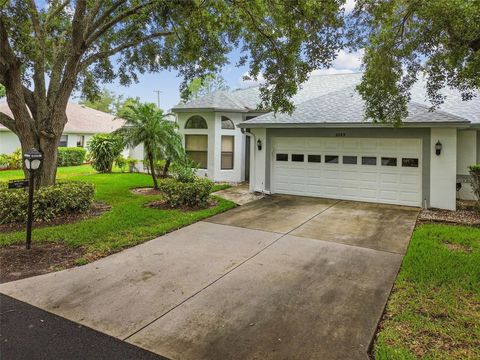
(282, 157)
(410, 162)
(331, 159)
(369, 160)
(351, 160)
(196, 146)
(314, 158)
(297, 157)
(389, 161)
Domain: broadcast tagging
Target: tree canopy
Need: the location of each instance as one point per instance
(105, 101)
(202, 86)
(405, 40)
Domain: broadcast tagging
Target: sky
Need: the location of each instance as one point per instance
(168, 82)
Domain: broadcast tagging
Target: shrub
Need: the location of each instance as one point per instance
(71, 156)
(132, 163)
(190, 194)
(11, 161)
(49, 201)
(475, 173)
(121, 163)
(104, 149)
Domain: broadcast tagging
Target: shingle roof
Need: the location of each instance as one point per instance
(81, 119)
(346, 106)
(333, 109)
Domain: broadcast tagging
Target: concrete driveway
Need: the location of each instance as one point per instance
(283, 277)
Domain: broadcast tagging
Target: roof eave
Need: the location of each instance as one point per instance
(458, 124)
(190, 110)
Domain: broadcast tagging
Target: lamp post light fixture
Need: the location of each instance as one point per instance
(438, 148)
(32, 160)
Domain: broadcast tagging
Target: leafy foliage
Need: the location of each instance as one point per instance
(199, 87)
(2, 91)
(121, 163)
(49, 201)
(105, 101)
(71, 156)
(185, 171)
(104, 149)
(11, 161)
(192, 194)
(146, 124)
(405, 39)
(475, 174)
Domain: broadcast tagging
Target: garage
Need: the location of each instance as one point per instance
(383, 170)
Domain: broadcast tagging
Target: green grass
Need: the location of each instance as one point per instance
(128, 223)
(218, 187)
(434, 310)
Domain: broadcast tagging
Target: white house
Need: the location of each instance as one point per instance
(83, 123)
(325, 148)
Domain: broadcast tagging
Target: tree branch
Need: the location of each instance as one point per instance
(53, 14)
(107, 53)
(8, 122)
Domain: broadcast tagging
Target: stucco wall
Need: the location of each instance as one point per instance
(466, 156)
(215, 132)
(443, 169)
(8, 142)
(258, 160)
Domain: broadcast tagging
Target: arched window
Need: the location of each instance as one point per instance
(196, 122)
(227, 123)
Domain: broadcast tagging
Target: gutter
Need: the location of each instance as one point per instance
(462, 124)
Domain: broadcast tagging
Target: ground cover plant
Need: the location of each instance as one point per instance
(434, 309)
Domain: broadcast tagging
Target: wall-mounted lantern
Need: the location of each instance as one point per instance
(438, 148)
(259, 144)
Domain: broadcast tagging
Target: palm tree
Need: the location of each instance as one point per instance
(146, 124)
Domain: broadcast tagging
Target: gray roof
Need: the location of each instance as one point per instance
(81, 120)
(346, 107)
(333, 99)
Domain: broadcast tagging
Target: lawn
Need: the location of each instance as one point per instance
(128, 222)
(434, 310)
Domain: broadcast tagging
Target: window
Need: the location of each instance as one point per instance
(298, 157)
(81, 141)
(196, 146)
(409, 162)
(63, 141)
(331, 159)
(369, 160)
(227, 123)
(282, 157)
(228, 144)
(196, 122)
(314, 158)
(351, 160)
(389, 161)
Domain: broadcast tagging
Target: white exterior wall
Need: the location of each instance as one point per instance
(258, 160)
(215, 132)
(466, 156)
(8, 142)
(443, 169)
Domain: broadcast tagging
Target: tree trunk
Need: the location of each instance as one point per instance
(152, 170)
(166, 167)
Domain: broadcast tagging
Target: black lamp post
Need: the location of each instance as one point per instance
(32, 160)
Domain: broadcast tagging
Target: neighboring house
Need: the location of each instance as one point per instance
(83, 123)
(326, 149)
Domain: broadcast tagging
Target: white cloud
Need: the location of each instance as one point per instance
(251, 82)
(349, 5)
(331, 71)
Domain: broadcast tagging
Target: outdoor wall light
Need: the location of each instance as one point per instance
(438, 148)
(259, 144)
(32, 159)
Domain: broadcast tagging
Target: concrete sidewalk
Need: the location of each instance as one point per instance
(225, 289)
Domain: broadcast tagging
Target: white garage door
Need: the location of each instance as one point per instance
(374, 170)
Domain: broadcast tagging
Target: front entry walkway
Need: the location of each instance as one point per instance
(283, 277)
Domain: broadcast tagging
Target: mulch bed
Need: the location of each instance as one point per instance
(146, 191)
(162, 205)
(96, 209)
(18, 263)
(466, 214)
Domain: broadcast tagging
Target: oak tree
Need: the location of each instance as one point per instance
(48, 51)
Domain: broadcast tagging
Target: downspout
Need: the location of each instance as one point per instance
(252, 158)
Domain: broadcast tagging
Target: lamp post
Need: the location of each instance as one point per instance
(32, 160)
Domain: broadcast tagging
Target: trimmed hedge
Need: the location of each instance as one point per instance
(49, 201)
(191, 194)
(71, 156)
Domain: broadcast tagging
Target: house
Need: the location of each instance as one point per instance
(325, 148)
(83, 123)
